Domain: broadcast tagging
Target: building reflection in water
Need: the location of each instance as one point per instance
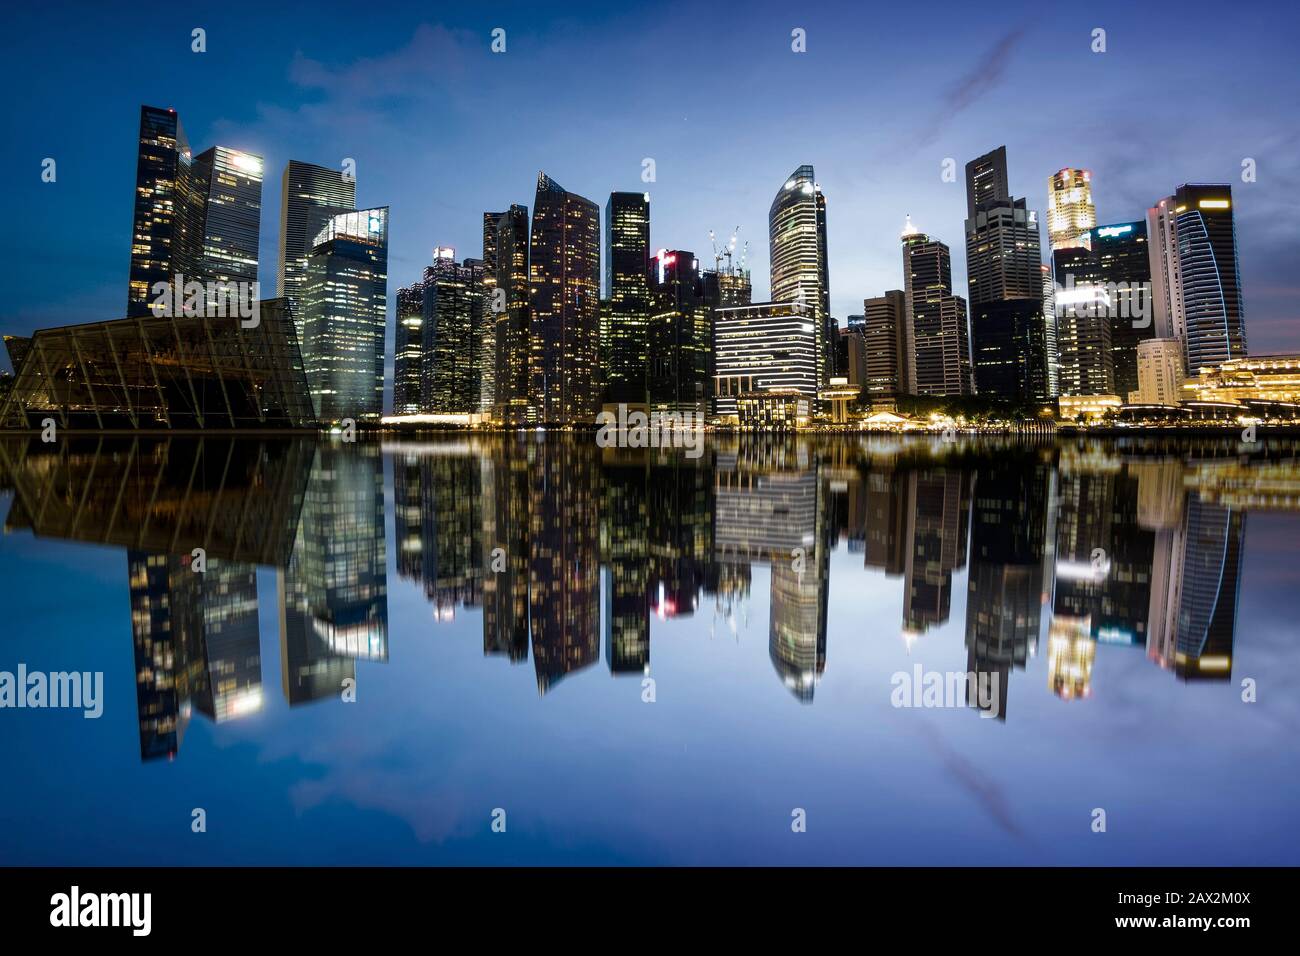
(334, 588)
(563, 548)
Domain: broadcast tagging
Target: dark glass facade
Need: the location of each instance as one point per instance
(346, 306)
(796, 224)
(309, 196)
(505, 256)
(681, 334)
(452, 329)
(564, 340)
(627, 270)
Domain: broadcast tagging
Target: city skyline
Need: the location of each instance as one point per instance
(739, 188)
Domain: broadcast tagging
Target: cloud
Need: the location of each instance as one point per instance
(986, 75)
(434, 58)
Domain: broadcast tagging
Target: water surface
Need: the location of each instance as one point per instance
(642, 657)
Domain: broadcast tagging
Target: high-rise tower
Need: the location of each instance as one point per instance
(309, 195)
(1070, 212)
(796, 226)
(627, 265)
(564, 285)
(1197, 277)
(939, 358)
(345, 311)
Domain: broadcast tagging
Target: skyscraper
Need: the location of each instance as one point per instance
(309, 196)
(345, 311)
(939, 358)
(408, 350)
(884, 331)
(564, 338)
(986, 179)
(1124, 266)
(1008, 328)
(196, 216)
(1003, 257)
(451, 332)
(796, 226)
(1197, 276)
(1083, 324)
(762, 347)
(226, 188)
(158, 227)
(505, 256)
(627, 271)
(1053, 344)
(1009, 349)
(1070, 212)
(680, 334)
(1166, 275)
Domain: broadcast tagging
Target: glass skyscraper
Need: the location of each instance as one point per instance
(680, 334)
(796, 224)
(505, 260)
(226, 186)
(564, 338)
(309, 196)
(158, 228)
(345, 305)
(1196, 275)
(451, 333)
(408, 350)
(196, 216)
(1009, 331)
(627, 264)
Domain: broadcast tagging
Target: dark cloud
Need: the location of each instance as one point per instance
(987, 74)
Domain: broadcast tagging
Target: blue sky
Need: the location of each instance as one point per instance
(443, 129)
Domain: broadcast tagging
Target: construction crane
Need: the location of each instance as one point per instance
(727, 252)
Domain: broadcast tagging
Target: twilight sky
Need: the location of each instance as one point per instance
(442, 129)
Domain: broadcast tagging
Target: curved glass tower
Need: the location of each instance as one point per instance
(796, 229)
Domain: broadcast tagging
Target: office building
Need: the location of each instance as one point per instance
(680, 334)
(408, 350)
(1003, 258)
(1083, 324)
(986, 180)
(345, 313)
(505, 258)
(1196, 275)
(1009, 346)
(886, 347)
(564, 268)
(796, 225)
(627, 274)
(159, 226)
(454, 317)
(194, 216)
(939, 358)
(1071, 216)
(762, 347)
(309, 196)
(1160, 373)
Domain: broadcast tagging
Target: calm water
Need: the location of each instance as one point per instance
(503, 609)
